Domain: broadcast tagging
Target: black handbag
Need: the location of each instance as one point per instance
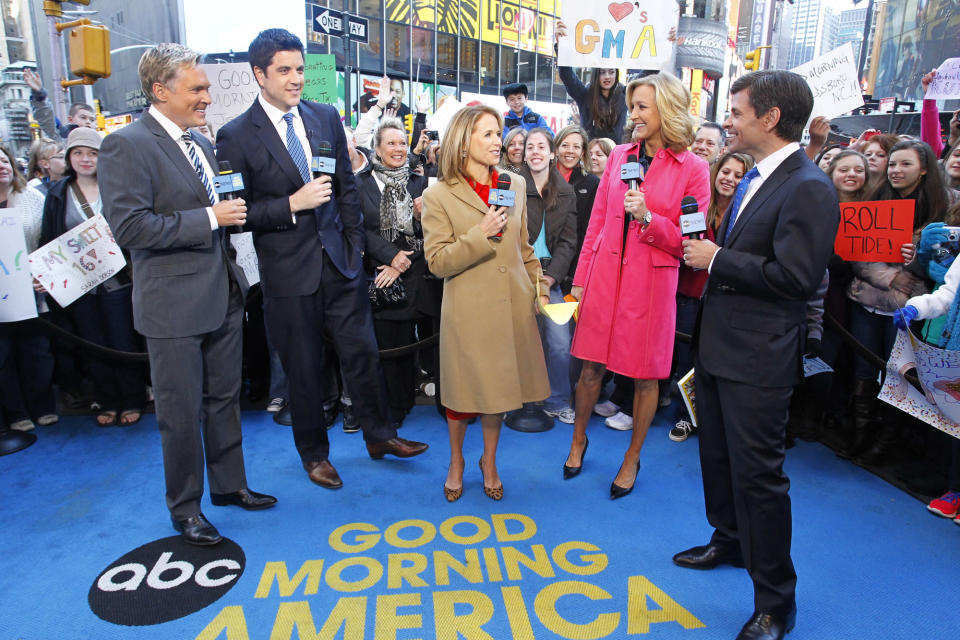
(389, 297)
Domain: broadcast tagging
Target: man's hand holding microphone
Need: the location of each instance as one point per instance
(311, 195)
(230, 212)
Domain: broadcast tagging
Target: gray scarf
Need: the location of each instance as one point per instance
(396, 205)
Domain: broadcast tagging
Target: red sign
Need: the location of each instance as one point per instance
(874, 231)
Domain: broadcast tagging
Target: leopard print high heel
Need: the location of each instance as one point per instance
(495, 493)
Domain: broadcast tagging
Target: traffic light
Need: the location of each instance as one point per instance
(90, 51)
(751, 61)
(408, 125)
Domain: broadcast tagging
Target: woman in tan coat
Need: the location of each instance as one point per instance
(491, 360)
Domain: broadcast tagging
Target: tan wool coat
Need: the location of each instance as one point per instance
(491, 359)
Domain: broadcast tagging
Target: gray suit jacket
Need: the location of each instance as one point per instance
(156, 206)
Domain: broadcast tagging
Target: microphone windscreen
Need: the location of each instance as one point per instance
(324, 148)
(689, 205)
(632, 158)
(503, 182)
(225, 166)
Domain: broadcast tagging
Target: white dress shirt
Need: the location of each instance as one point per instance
(765, 169)
(175, 132)
(275, 116)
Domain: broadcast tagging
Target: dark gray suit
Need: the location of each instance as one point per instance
(187, 300)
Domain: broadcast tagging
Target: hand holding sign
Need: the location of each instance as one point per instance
(945, 81)
(616, 34)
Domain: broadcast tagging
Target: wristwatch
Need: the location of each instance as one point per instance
(647, 218)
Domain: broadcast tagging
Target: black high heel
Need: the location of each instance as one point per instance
(616, 491)
(572, 472)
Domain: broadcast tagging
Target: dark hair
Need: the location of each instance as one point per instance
(713, 125)
(930, 194)
(714, 212)
(827, 149)
(554, 179)
(514, 88)
(18, 183)
(605, 111)
(851, 153)
(946, 159)
(267, 43)
(785, 90)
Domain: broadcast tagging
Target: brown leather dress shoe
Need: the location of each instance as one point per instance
(322, 473)
(395, 447)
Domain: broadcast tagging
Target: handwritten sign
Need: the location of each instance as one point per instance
(233, 88)
(946, 84)
(874, 231)
(618, 34)
(938, 403)
(77, 261)
(246, 256)
(17, 301)
(833, 79)
(320, 78)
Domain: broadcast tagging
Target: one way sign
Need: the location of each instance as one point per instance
(332, 23)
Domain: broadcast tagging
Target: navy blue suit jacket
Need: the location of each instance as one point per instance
(291, 254)
(752, 322)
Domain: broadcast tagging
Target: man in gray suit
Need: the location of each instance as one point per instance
(157, 184)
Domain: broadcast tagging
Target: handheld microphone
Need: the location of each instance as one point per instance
(502, 196)
(632, 172)
(227, 183)
(692, 222)
(325, 163)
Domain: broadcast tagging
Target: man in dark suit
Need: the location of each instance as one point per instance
(156, 179)
(309, 237)
(775, 241)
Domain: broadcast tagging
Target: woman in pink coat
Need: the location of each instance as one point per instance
(626, 278)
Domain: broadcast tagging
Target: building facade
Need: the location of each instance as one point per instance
(813, 31)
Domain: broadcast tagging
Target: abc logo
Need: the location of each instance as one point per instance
(164, 580)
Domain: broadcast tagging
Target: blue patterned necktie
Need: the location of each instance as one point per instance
(198, 167)
(295, 149)
(738, 199)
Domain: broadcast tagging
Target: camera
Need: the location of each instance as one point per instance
(433, 135)
(953, 233)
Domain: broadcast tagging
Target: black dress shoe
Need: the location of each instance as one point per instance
(246, 499)
(284, 416)
(764, 625)
(395, 447)
(572, 472)
(197, 530)
(708, 557)
(350, 424)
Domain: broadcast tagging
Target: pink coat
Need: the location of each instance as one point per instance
(628, 309)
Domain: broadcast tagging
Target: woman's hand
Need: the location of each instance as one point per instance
(418, 201)
(387, 276)
(400, 261)
(384, 96)
(494, 222)
(908, 251)
(577, 292)
(544, 301)
(33, 80)
(819, 131)
(422, 142)
(927, 79)
(635, 204)
(559, 30)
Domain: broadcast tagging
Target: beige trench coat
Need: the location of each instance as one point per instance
(491, 359)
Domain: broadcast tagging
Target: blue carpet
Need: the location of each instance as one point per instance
(554, 559)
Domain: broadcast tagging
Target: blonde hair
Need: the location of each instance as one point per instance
(41, 150)
(677, 127)
(161, 64)
(456, 140)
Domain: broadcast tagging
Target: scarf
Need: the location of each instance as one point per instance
(396, 205)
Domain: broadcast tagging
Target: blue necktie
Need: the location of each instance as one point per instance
(201, 173)
(738, 199)
(295, 149)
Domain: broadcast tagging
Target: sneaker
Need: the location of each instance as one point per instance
(563, 414)
(682, 430)
(619, 421)
(947, 505)
(606, 409)
(47, 419)
(276, 405)
(23, 425)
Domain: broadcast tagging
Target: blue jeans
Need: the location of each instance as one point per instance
(556, 350)
(877, 333)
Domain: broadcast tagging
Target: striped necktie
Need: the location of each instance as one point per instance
(738, 199)
(198, 166)
(295, 149)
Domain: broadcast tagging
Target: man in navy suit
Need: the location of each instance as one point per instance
(774, 244)
(308, 232)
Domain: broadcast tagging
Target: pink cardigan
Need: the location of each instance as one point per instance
(628, 310)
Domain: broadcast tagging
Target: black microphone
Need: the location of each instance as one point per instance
(502, 196)
(692, 221)
(325, 163)
(227, 183)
